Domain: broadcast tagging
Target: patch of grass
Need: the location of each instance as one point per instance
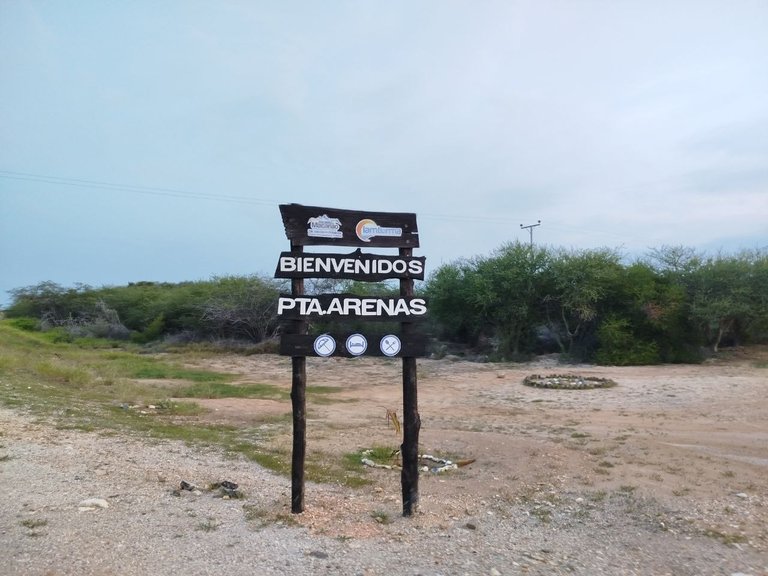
(726, 538)
(379, 454)
(33, 523)
(381, 517)
(256, 515)
(210, 525)
(598, 496)
(180, 408)
(580, 435)
(224, 390)
(148, 368)
(98, 390)
(542, 513)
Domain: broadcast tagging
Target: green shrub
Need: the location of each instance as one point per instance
(618, 346)
(25, 323)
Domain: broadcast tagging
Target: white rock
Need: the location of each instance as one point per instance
(93, 503)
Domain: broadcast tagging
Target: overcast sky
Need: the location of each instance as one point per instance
(149, 140)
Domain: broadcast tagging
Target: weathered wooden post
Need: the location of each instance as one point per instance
(309, 226)
(298, 403)
(409, 451)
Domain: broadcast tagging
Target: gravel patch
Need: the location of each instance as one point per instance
(76, 503)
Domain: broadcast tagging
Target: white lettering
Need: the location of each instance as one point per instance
(401, 308)
(284, 304)
(335, 307)
(387, 307)
(418, 306)
(323, 265)
(314, 307)
(369, 307)
(351, 306)
(287, 264)
(385, 267)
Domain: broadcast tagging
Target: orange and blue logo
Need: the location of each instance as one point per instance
(367, 229)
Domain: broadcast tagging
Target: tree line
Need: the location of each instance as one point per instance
(589, 305)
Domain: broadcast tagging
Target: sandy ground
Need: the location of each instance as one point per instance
(690, 436)
(665, 473)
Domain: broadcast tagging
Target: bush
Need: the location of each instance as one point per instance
(25, 323)
(618, 346)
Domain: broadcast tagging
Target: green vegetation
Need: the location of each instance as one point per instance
(588, 305)
(222, 308)
(122, 390)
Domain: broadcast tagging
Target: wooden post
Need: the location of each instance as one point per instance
(299, 405)
(409, 451)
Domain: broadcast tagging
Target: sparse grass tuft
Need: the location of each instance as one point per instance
(210, 525)
(33, 523)
(381, 517)
(726, 538)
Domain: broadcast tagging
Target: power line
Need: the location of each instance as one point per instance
(240, 199)
(177, 193)
(150, 190)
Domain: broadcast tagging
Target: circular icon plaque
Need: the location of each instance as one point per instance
(390, 345)
(324, 345)
(357, 344)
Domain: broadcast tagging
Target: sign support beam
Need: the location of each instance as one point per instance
(409, 451)
(298, 404)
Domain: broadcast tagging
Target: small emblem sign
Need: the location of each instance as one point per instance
(357, 344)
(324, 345)
(367, 229)
(324, 227)
(390, 345)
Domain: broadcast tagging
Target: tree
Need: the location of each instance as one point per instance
(242, 307)
(506, 294)
(728, 296)
(581, 285)
(451, 302)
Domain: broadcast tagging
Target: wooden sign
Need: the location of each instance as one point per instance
(314, 225)
(351, 307)
(353, 266)
(353, 345)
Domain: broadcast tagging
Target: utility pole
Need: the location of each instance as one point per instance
(530, 230)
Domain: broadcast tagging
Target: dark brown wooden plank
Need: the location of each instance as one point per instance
(409, 450)
(317, 226)
(298, 405)
(353, 266)
(334, 344)
(352, 307)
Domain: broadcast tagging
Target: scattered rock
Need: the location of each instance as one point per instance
(319, 554)
(92, 504)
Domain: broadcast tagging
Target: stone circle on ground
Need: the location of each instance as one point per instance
(567, 382)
